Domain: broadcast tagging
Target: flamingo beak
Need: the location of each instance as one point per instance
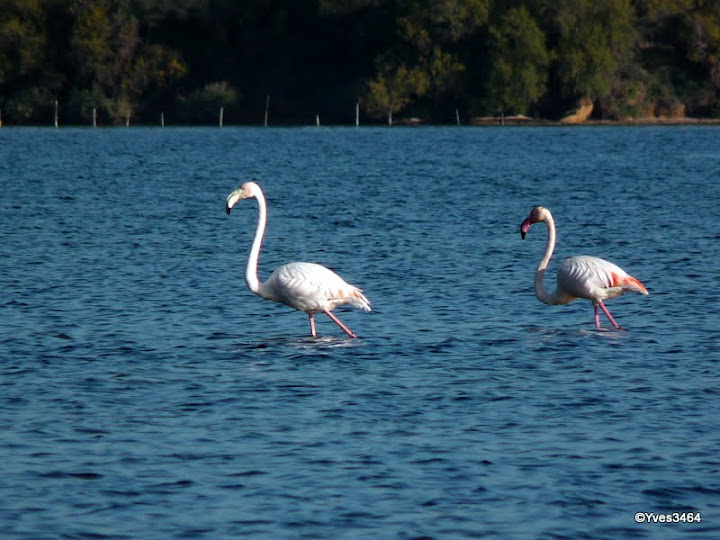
(232, 199)
(525, 227)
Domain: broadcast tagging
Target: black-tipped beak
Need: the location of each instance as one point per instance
(233, 198)
(525, 227)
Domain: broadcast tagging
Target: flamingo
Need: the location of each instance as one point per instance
(304, 286)
(580, 276)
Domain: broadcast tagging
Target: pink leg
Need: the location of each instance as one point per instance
(607, 313)
(597, 317)
(341, 325)
(312, 325)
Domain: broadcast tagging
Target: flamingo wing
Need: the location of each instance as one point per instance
(312, 287)
(595, 279)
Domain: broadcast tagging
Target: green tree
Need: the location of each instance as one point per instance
(519, 65)
(421, 57)
(595, 40)
(115, 67)
(682, 49)
(392, 91)
(704, 51)
(28, 83)
(453, 20)
(425, 69)
(440, 69)
(203, 104)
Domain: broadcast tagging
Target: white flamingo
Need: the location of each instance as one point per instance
(307, 287)
(581, 276)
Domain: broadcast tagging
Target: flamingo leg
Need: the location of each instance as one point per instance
(607, 313)
(341, 325)
(597, 317)
(312, 325)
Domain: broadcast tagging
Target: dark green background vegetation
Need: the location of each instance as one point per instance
(424, 58)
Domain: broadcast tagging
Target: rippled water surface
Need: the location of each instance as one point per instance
(145, 393)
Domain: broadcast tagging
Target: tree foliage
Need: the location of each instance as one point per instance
(594, 39)
(115, 66)
(425, 58)
(26, 85)
(393, 90)
(518, 73)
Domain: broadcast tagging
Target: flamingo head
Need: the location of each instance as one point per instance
(247, 190)
(537, 214)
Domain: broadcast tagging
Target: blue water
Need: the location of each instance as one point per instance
(145, 393)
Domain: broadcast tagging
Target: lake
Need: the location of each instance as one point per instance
(146, 393)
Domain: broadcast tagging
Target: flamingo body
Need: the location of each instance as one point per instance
(580, 276)
(304, 286)
(312, 287)
(594, 279)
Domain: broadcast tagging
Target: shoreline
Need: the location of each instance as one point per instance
(646, 121)
(485, 121)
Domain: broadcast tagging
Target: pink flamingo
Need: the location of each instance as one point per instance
(307, 287)
(581, 276)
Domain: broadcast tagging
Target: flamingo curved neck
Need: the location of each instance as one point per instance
(251, 271)
(540, 291)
